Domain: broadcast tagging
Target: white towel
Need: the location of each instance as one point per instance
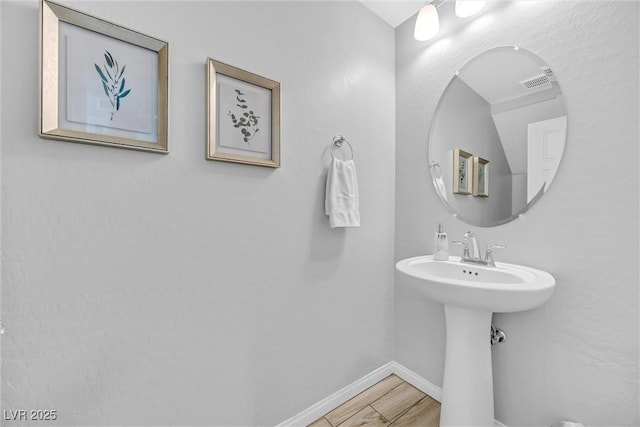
(342, 202)
(441, 190)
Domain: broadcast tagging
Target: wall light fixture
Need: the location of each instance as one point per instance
(428, 21)
(465, 8)
(427, 24)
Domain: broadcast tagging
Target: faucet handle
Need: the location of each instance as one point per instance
(488, 256)
(465, 248)
(489, 247)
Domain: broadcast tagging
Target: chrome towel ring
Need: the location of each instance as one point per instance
(338, 141)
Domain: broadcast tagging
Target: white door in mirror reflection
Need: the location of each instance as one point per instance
(545, 143)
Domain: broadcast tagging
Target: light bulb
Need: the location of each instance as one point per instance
(465, 8)
(427, 24)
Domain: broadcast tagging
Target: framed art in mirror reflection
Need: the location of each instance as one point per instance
(462, 172)
(480, 177)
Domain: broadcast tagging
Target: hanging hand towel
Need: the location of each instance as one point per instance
(442, 191)
(342, 202)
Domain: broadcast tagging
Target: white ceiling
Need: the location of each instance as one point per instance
(496, 75)
(394, 12)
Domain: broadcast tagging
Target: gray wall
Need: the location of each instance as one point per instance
(141, 289)
(576, 357)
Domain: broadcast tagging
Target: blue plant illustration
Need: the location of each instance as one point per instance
(113, 81)
(247, 122)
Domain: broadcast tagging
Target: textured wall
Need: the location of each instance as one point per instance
(141, 289)
(577, 356)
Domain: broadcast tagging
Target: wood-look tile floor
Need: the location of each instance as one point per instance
(391, 402)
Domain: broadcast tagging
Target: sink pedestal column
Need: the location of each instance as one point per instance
(467, 390)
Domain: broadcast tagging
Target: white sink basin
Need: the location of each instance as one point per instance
(471, 294)
(500, 289)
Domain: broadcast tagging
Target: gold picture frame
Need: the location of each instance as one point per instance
(243, 116)
(462, 172)
(101, 83)
(480, 177)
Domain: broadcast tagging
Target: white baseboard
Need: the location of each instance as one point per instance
(331, 402)
(417, 381)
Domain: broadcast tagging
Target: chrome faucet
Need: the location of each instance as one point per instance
(471, 251)
(474, 250)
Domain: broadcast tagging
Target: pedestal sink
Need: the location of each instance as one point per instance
(471, 294)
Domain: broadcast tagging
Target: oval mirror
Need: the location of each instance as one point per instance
(497, 136)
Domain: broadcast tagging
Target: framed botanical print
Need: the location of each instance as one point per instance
(101, 83)
(243, 116)
(462, 172)
(480, 177)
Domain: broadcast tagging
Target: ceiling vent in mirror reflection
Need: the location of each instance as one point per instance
(540, 81)
(504, 105)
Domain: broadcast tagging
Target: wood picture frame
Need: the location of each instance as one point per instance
(480, 177)
(462, 172)
(101, 83)
(243, 116)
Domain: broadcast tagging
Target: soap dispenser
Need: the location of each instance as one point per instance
(440, 245)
